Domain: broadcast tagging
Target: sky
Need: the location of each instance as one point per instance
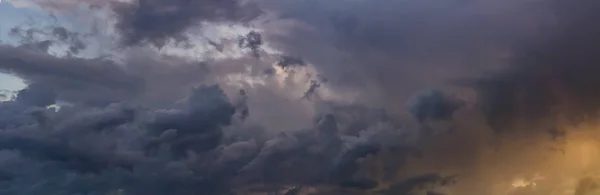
(299, 97)
(11, 16)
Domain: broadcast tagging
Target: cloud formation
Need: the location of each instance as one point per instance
(551, 80)
(181, 150)
(157, 21)
(337, 97)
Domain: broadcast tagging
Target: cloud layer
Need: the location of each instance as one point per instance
(157, 21)
(328, 97)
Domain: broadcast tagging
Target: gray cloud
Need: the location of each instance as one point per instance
(158, 21)
(148, 151)
(550, 78)
(105, 140)
(433, 104)
(533, 63)
(36, 94)
(66, 75)
(44, 37)
(143, 75)
(253, 41)
(129, 130)
(392, 49)
(289, 61)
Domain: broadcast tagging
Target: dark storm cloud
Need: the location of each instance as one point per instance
(433, 104)
(113, 139)
(107, 80)
(327, 156)
(392, 49)
(183, 150)
(158, 21)
(107, 143)
(542, 57)
(144, 76)
(36, 94)
(13, 115)
(389, 50)
(20, 111)
(106, 140)
(208, 108)
(556, 75)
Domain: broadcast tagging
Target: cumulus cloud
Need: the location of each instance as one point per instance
(391, 50)
(147, 122)
(128, 147)
(100, 140)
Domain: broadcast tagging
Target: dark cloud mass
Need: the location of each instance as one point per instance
(181, 151)
(253, 41)
(552, 78)
(433, 104)
(392, 49)
(158, 21)
(99, 81)
(376, 78)
(36, 95)
(70, 76)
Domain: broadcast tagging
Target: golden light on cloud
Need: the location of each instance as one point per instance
(523, 182)
(565, 171)
(525, 163)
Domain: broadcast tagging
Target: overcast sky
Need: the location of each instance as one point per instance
(362, 97)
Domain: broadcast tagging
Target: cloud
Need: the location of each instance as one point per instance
(106, 79)
(126, 128)
(420, 182)
(36, 95)
(50, 36)
(551, 81)
(157, 21)
(390, 50)
(105, 140)
(138, 77)
(253, 41)
(145, 122)
(433, 104)
(128, 147)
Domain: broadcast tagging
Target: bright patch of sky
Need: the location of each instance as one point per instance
(9, 85)
(23, 13)
(11, 16)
